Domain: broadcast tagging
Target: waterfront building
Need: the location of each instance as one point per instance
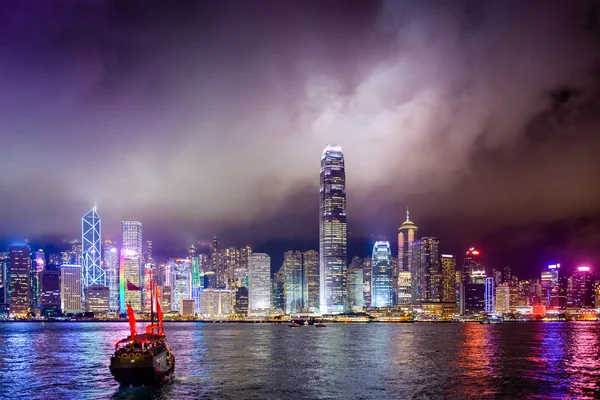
(39, 265)
(259, 279)
(197, 281)
(490, 302)
(406, 236)
(49, 300)
(474, 298)
(473, 285)
(355, 282)
(111, 269)
(279, 291)
(4, 283)
(241, 301)
(181, 281)
(367, 282)
(230, 259)
(130, 281)
(503, 298)
(132, 237)
(332, 231)
(165, 295)
(93, 273)
(310, 280)
(148, 280)
(448, 263)
(70, 289)
(553, 287)
(97, 299)
(381, 275)
(19, 273)
(426, 274)
(148, 253)
(241, 272)
(293, 288)
(187, 308)
(216, 303)
(583, 293)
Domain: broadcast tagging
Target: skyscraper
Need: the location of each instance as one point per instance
(490, 298)
(130, 280)
(448, 278)
(292, 268)
(355, 282)
(583, 288)
(49, 282)
(381, 275)
(259, 291)
(367, 293)
(241, 273)
(406, 236)
(426, 276)
(70, 289)
(132, 236)
(474, 283)
(310, 266)
(111, 268)
(19, 273)
(332, 231)
(93, 274)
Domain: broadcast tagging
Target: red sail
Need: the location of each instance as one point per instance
(131, 316)
(159, 313)
(131, 286)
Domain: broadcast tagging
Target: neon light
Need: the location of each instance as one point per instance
(553, 266)
(447, 255)
(581, 269)
(122, 282)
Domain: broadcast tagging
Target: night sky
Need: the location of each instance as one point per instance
(209, 118)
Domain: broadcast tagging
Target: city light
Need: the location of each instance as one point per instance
(583, 269)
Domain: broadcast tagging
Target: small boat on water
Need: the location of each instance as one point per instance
(320, 325)
(294, 325)
(143, 359)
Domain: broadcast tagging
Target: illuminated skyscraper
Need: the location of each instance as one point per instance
(448, 278)
(583, 288)
(367, 282)
(132, 236)
(259, 290)
(293, 289)
(332, 231)
(426, 274)
(130, 281)
(70, 289)
(381, 275)
(473, 269)
(93, 274)
(490, 298)
(111, 268)
(19, 273)
(197, 281)
(355, 283)
(551, 286)
(310, 265)
(241, 272)
(402, 278)
(49, 282)
(181, 283)
(279, 291)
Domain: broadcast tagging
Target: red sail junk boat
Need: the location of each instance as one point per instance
(143, 359)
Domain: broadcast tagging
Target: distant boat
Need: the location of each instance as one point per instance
(320, 325)
(143, 359)
(294, 325)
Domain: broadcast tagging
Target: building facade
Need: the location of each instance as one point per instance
(294, 288)
(426, 273)
(259, 291)
(70, 289)
(406, 236)
(355, 288)
(381, 275)
(91, 246)
(448, 263)
(332, 231)
(19, 273)
(310, 266)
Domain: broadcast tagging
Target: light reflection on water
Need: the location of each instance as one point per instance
(370, 361)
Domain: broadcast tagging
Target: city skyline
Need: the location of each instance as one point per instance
(481, 147)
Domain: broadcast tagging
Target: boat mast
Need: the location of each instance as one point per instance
(151, 300)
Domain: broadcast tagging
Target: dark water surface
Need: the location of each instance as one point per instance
(371, 361)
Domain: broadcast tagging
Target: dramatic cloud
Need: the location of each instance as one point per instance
(203, 118)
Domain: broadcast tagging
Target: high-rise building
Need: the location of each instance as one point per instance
(187, 308)
(448, 262)
(216, 302)
(147, 287)
(490, 298)
(310, 266)
(552, 289)
(111, 268)
(278, 297)
(259, 290)
(230, 259)
(49, 292)
(97, 299)
(241, 273)
(132, 237)
(148, 253)
(181, 283)
(93, 273)
(473, 269)
(503, 298)
(332, 231)
(4, 284)
(583, 288)
(39, 266)
(19, 273)
(426, 274)
(473, 283)
(406, 236)
(70, 289)
(293, 289)
(217, 264)
(241, 301)
(130, 281)
(197, 281)
(355, 283)
(367, 290)
(381, 275)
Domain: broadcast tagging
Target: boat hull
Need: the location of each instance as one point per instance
(140, 371)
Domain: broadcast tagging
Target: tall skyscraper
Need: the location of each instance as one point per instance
(241, 273)
(355, 282)
(132, 236)
(19, 273)
(583, 288)
(4, 284)
(293, 289)
(70, 289)
(367, 292)
(426, 274)
(310, 266)
(448, 262)
(181, 288)
(49, 282)
(332, 231)
(279, 291)
(111, 268)
(553, 287)
(259, 291)
(406, 236)
(381, 275)
(490, 298)
(93, 274)
(130, 280)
